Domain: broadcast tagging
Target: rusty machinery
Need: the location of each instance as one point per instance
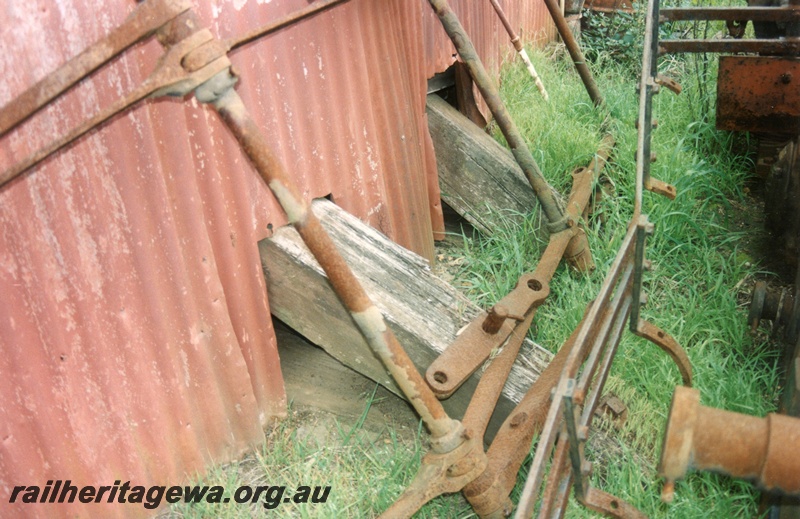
(756, 93)
(194, 61)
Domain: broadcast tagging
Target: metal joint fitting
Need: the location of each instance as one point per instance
(764, 450)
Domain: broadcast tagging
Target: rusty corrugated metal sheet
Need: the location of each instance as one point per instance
(135, 339)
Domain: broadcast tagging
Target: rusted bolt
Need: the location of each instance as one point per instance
(611, 406)
(494, 320)
(578, 396)
(518, 419)
(786, 78)
(460, 467)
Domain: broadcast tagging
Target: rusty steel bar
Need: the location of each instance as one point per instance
(777, 47)
(447, 433)
(645, 119)
(639, 268)
(283, 22)
(575, 52)
(517, 43)
(620, 306)
(491, 488)
(143, 21)
(479, 411)
(547, 196)
(764, 450)
(473, 346)
(559, 481)
(604, 341)
(732, 13)
(487, 392)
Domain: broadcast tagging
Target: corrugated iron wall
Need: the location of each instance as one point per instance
(135, 337)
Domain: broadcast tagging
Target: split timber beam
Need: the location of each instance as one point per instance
(478, 177)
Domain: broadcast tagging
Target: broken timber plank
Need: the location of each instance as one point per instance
(423, 311)
(478, 177)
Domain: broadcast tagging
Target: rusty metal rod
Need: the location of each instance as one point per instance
(547, 196)
(782, 47)
(586, 332)
(446, 433)
(732, 13)
(644, 122)
(489, 493)
(559, 481)
(283, 22)
(764, 450)
(140, 24)
(575, 52)
(517, 43)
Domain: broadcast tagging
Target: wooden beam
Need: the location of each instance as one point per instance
(423, 311)
(478, 177)
(315, 379)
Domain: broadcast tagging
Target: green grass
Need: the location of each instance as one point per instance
(699, 271)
